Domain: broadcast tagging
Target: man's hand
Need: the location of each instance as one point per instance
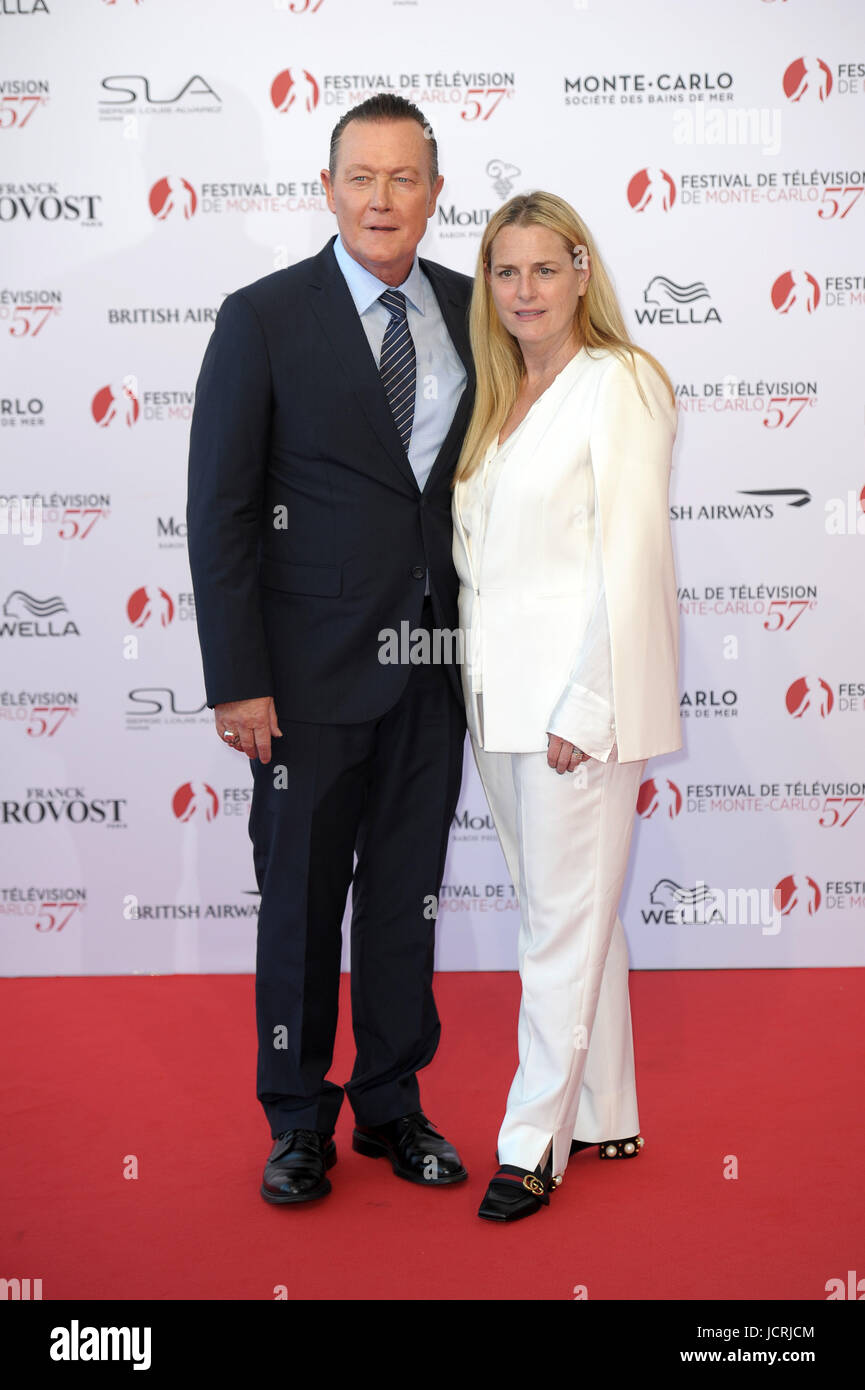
(252, 722)
(563, 756)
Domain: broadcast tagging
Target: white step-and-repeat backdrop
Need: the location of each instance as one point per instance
(156, 156)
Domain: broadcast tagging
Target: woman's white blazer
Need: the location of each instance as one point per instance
(591, 452)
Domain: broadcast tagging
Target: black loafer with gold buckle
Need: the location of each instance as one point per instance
(515, 1192)
(613, 1148)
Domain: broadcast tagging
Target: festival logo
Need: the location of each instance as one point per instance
(40, 713)
(286, 90)
(809, 693)
(795, 289)
(28, 311)
(473, 897)
(832, 192)
(797, 292)
(172, 195)
(834, 803)
(175, 196)
(653, 187)
(780, 606)
(113, 402)
(150, 602)
(809, 76)
(195, 800)
(798, 894)
(778, 402)
(74, 513)
(45, 909)
(476, 95)
(659, 797)
(128, 401)
(20, 97)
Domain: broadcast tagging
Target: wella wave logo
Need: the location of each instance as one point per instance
(671, 303)
(26, 616)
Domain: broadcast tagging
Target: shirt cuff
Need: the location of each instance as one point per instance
(585, 719)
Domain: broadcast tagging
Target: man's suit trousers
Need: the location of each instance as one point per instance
(384, 790)
(566, 840)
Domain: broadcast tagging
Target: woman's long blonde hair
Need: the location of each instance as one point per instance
(598, 322)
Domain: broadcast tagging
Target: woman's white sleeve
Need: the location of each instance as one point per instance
(584, 714)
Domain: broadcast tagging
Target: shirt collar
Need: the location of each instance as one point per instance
(365, 287)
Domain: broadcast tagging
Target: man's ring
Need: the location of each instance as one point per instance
(228, 736)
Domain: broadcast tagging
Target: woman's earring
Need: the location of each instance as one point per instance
(581, 258)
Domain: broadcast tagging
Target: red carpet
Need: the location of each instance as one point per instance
(763, 1065)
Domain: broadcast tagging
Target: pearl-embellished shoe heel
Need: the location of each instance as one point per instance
(613, 1148)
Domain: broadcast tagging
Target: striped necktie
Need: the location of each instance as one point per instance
(397, 365)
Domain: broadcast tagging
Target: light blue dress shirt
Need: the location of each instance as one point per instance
(441, 376)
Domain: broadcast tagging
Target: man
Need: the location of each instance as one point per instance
(329, 414)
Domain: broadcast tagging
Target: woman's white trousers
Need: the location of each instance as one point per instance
(566, 840)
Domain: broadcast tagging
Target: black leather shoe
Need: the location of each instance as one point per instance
(416, 1151)
(515, 1192)
(613, 1148)
(295, 1171)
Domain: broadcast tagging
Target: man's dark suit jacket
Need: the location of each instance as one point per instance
(307, 531)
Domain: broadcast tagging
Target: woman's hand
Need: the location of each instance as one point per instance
(564, 756)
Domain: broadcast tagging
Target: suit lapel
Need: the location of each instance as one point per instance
(335, 310)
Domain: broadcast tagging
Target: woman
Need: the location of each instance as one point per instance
(568, 610)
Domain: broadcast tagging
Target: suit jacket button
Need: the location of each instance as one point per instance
(418, 572)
